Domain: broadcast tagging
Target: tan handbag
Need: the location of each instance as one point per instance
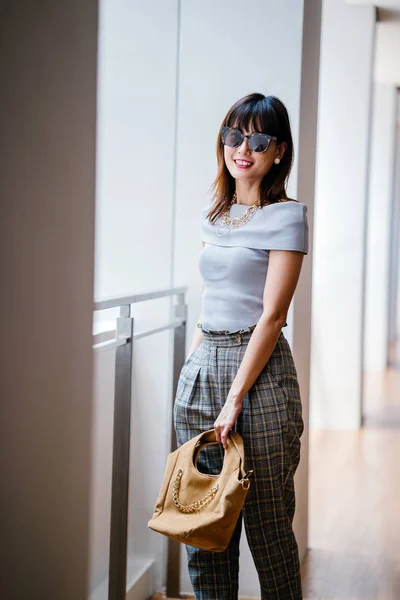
(197, 508)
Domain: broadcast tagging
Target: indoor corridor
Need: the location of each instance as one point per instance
(113, 129)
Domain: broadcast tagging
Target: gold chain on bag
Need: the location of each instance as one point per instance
(190, 508)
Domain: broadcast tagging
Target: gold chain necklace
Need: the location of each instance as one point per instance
(234, 222)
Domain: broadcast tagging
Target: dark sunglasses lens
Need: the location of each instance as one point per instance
(259, 143)
(232, 138)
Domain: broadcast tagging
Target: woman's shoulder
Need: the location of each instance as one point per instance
(206, 207)
(288, 204)
(284, 213)
(286, 225)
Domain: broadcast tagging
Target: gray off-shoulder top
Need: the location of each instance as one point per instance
(234, 266)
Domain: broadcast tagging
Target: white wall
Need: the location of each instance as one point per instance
(394, 326)
(301, 316)
(387, 65)
(47, 188)
(387, 73)
(136, 127)
(380, 203)
(347, 45)
(134, 229)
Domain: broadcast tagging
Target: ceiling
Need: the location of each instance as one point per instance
(388, 10)
(387, 4)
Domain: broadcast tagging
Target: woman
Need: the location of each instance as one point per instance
(240, 372)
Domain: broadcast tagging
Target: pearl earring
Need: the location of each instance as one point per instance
(277, 161)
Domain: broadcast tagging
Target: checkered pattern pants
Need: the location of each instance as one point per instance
(271, 425)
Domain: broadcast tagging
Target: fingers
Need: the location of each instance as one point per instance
(224, 435)
(222, 432)
(226, 421)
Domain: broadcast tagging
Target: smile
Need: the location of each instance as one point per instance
(243, 164)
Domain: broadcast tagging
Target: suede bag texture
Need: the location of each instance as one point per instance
(197, 508)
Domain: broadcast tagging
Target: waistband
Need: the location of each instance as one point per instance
(224, 337)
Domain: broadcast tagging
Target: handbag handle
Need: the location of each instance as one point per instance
(234, 440)
(198, 449)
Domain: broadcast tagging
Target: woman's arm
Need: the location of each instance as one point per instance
(282, 276)
(198, 334)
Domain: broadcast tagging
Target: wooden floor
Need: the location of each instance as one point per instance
(354, 511)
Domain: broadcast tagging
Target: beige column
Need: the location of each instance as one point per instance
(47, 186)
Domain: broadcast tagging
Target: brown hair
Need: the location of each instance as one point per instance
(269, 115)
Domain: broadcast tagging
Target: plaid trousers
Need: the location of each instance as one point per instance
(271, 425)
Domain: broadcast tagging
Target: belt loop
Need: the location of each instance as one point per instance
(239, 338)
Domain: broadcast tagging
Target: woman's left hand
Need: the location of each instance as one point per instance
(227, 418)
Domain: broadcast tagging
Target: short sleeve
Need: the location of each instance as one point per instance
(287, 229)
(278, 226)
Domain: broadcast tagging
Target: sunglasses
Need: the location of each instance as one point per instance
(258, 142)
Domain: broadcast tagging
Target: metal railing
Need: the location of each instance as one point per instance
(122, 338)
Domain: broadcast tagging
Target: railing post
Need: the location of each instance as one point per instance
(174, 548)
(121, 454)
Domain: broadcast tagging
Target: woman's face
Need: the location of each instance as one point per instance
(244, 164)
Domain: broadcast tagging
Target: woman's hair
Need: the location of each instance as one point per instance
(262, 113)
